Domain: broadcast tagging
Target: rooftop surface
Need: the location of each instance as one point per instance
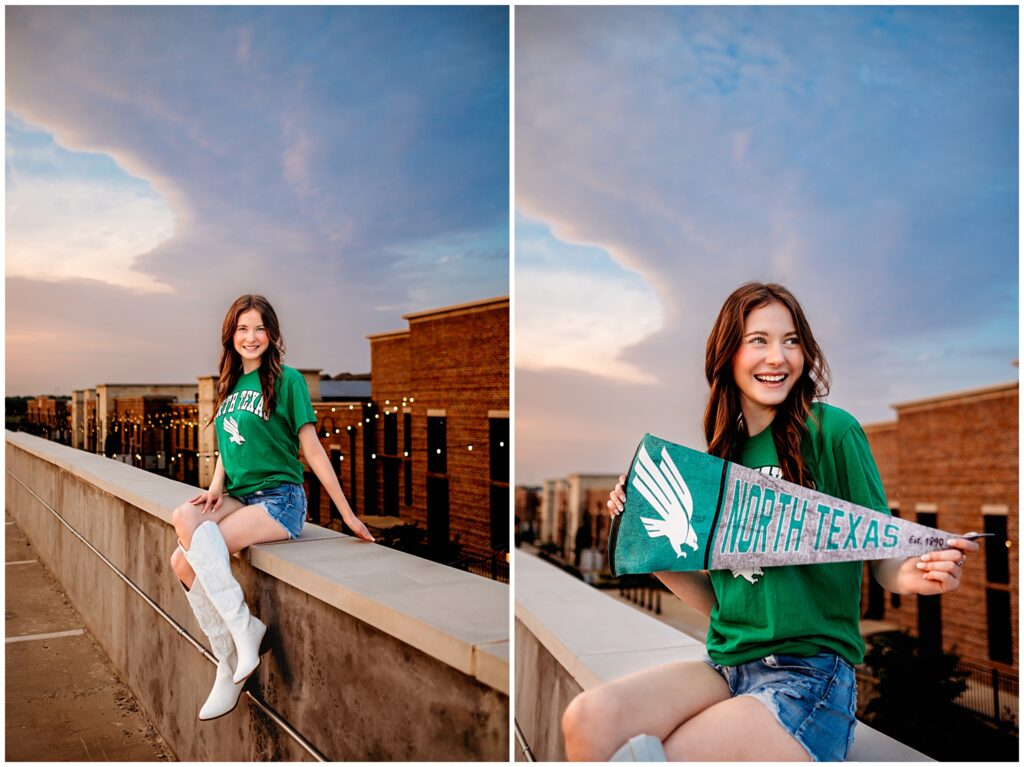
(64, 701)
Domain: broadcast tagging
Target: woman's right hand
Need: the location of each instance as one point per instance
(211, 500)
(617, 497)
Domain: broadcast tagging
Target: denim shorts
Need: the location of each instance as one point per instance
(813, 698)
(285, 503)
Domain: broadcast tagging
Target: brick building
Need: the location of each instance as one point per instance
(184, 442)
(139, 432)
(93, 411)
(437, 430)
(952, 462)
(527, 510)
(574, 513)
(50, 417)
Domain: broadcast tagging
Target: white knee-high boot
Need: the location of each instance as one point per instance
(225, 693)
(211, 562)
(640, 748)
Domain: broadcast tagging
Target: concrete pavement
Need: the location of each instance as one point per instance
(64, 702)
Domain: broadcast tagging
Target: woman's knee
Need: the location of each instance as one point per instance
(180, 565)
(586, 719)
(185, 518)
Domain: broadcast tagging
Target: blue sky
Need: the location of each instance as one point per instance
(865, 157)
(349, 163)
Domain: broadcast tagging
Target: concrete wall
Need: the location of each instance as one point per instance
(375, 655)
(570, 637)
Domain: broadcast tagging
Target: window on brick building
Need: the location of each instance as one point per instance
(313, 497)
(437, 514)
(997, 595)
(351, 495)
(437, 485)
(437, 445)
(499, 517)
(499, 473)
(333, 512)
(499, 449)
(389, 467)
(997, 556)
(390, 434)
(370, 481)
(929, 609)
(390, 462)
(1000, 633)
(407, 455)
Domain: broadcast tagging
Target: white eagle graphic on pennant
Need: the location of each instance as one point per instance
(663, 487)
(231, 427)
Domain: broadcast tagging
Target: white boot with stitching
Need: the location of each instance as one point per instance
(225, 693)
(211, 562)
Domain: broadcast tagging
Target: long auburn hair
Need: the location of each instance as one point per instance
(723, 422)
(231, 361)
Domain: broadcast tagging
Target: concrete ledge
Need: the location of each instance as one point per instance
(447, 613)
(377, 654)
(571, 637)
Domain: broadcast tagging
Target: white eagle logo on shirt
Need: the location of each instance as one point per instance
(231, 427)
(663, 487)
(750, 573)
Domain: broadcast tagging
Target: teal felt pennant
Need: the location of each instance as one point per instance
(687, 510)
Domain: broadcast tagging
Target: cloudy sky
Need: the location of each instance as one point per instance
(351, 164)
(866, 158)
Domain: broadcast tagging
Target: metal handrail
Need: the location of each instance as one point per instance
(523, 744)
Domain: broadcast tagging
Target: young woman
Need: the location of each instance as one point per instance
(263, 416)
(778, 684)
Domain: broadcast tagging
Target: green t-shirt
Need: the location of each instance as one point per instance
(800, 609)
(258, 451)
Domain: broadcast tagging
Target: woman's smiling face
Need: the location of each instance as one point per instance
(767, 364)
(251, 339)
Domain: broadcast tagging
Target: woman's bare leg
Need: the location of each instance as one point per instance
(241, 526)
(186, 518)
(739, 729)
(249, 525)
(654, 701)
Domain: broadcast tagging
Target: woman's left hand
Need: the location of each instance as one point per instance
(358, 528)
(937, 572)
